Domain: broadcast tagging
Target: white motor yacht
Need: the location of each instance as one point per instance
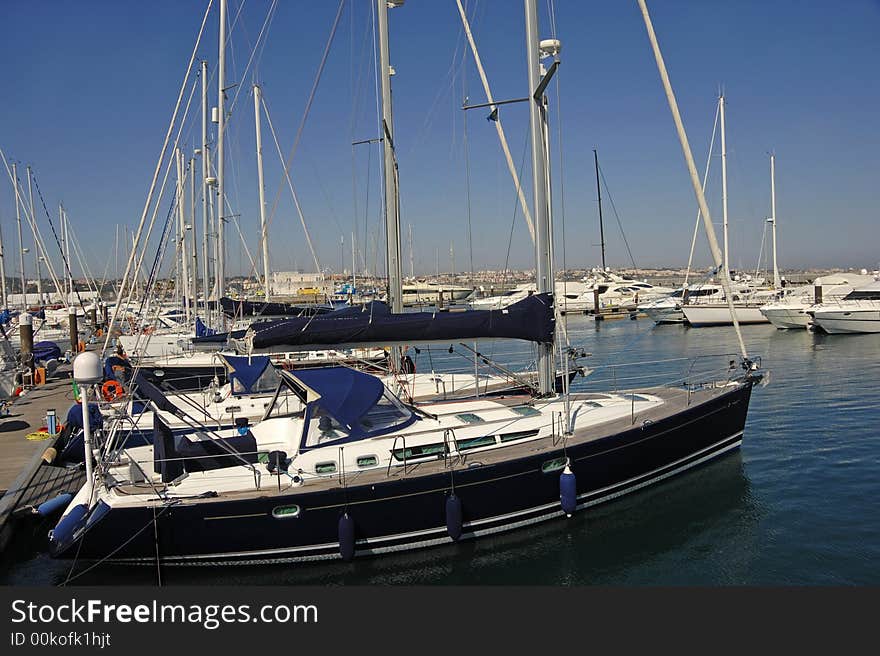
(667, 309)
(857, 312)
(790, 310)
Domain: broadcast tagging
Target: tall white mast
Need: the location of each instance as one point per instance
(34, 230)
(181, 222)
(776, 281)
(392, 215)
(20, 241)
(264, 233)
(206, 267)
(692, 172)
(724, 181)
(194, 285)
(65, 260)
(221, 122)
(3, 273)
(537, 120)
(353, 263)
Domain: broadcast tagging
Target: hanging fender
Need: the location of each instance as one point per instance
(568, 491)
(346, 537)
(453, 517)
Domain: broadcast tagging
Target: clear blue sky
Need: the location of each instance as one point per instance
(90, 86)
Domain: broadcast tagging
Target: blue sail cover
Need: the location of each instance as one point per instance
(530, 319)
(202, 330)
(245, 371)
(346, 394)
(235, 308)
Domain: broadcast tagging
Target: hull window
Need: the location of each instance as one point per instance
(475, 442)
(518, 435)
(286, 512)
(553, 465)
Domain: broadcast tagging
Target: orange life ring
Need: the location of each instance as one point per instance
(112, 390)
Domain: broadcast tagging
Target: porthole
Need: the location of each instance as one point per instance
(553, 465)
(286, 512)
(325, 468)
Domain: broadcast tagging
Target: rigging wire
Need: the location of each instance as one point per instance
(302, 123)
(299, 211)
(617, 216)
(158, 168)
(513, 218)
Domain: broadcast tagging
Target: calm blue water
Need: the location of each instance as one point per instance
(798, 504)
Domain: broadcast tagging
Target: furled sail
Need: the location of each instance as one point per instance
(530, 319)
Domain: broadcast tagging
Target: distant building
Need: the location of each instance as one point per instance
(297, 283)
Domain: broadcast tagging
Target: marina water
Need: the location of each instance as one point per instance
(797, 505)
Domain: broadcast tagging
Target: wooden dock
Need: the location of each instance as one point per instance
(25, 479)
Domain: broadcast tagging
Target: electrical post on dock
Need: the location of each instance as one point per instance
(87, 372)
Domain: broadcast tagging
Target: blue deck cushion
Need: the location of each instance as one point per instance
(175, 454)
(204, 455)
(165, 458)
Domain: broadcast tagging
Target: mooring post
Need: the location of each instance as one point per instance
(26, 337)
(74, 332)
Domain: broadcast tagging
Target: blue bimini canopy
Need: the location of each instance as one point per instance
(357, 402)
(345, 394)
(244, 372)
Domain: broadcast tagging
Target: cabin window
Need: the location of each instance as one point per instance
(386, 413)
(470, 418)
(286, 512)
(638, 397)
(526, 411)
(553, 465)
(475, 442)
(420, 451)
(518, 435)
(324, 428)
(367, 461)
(325, 467)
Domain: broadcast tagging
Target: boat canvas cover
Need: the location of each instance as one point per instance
(244, 370)
(530, 319)
(239, 307)
(144, 389)
(46, 351)
(202, 330)
(345, 394)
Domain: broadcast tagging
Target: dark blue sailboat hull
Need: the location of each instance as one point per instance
(410, 512)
